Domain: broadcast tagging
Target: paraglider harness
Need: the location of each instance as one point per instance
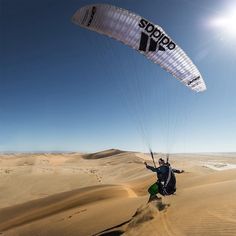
(167, 186)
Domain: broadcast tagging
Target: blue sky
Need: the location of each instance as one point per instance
(64, 88)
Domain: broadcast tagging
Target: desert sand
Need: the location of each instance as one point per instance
(105, 193)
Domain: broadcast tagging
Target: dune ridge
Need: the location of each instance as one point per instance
(103, 154)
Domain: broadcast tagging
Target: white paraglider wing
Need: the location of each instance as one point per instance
(144, 36)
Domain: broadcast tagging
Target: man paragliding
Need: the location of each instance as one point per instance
(166, 181)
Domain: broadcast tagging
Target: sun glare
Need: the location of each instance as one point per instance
(226, 23)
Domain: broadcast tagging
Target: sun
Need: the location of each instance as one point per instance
(226, 22)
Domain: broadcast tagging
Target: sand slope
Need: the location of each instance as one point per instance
(105, 194)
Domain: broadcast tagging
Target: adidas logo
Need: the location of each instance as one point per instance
(91, 16)
(146, 41)
(153, 37)
(193, 80)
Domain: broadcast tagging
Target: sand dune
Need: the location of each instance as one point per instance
(106, 194)
(207, 209)
(103, 154)
(38, 209)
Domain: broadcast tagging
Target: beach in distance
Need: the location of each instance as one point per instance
(105, 193)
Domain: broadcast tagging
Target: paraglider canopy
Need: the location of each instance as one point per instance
(144, 36)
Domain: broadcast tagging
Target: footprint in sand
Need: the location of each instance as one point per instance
(7, 171)
(77, 213)
(99, 178)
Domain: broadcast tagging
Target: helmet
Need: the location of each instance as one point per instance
(161, 161)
